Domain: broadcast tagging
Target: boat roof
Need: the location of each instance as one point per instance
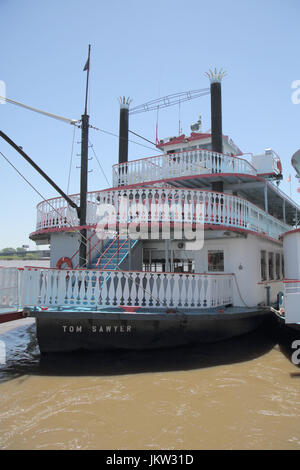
(195, 136)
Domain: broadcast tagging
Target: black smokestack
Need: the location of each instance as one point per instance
(216, 117)
(216, 110)
(123, 132)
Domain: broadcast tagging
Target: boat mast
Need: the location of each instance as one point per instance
(84, 170)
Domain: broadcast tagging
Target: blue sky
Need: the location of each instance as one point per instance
(143, 50)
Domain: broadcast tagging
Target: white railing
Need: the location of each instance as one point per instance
(187, 163)
(292, 300)
(44, 287)
(9, 287)
(164, 205)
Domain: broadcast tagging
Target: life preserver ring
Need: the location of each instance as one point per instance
(279, 166)
(64, 260)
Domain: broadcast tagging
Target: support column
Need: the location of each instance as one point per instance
(129, 255)
(283, 211)
(167, 264)
(172, 260)
(266, 198)
(266, 206)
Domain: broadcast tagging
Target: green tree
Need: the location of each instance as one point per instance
(8, 250)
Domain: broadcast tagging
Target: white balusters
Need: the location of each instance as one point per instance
(193, 162)
(167, 205)
(44, 287)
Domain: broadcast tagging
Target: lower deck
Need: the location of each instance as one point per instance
(254, 263)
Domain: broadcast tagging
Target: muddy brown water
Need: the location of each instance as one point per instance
(243, 393)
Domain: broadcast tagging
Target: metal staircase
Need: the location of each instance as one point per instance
(115, 252)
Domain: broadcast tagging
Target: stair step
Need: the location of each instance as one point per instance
(115, 254)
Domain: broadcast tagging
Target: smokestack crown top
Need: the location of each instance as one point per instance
(215, 76)
(124, 103)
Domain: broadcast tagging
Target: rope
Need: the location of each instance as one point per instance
(239, 292)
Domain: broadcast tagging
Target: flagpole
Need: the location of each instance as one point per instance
(84, 172)
(87, 67)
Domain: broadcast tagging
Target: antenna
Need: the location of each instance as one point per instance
(84, 169)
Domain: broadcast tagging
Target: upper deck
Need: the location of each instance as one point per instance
(179, 165)
(192, 156)
(224, 182)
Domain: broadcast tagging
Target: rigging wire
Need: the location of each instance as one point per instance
(129, 140)
(141, 137)
(72, 226)
(71, 160)
(103, 172)
(46, 200)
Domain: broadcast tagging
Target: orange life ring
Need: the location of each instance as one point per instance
(279, 165)
(64, 260)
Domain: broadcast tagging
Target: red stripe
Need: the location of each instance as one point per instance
(6, 317)
(290, 232)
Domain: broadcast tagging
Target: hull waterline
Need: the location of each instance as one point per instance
(96, 331)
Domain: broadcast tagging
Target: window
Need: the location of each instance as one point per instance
(282, 266)
(263, 266)
(184, 266)
(156, 265)
(159, 265)
(277, 266)
(271, 266)
(215, 260)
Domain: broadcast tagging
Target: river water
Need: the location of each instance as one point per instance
(243, 393)
(238, 394)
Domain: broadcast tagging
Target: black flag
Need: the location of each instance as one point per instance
(87, 65)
